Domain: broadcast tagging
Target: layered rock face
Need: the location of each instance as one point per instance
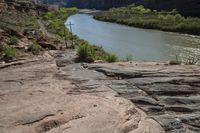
(170, 94)
(18, 21)
(167, 93)
(26, 6)
(3, 6)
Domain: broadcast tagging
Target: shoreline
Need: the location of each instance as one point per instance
(159, 30)
(88, 11)
(155, 29)
(139, 16)
(186, 46)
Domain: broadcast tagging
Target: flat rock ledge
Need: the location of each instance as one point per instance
(168, 94)
(61, 96)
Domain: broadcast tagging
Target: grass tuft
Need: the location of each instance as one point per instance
(129, 58)
(86, 51)
(9, 52)
(13, 40)
(111, 58)
(36, 49)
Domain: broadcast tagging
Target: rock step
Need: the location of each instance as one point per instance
(169, 94)
(187, 123)
(180, 100)
(118, 73)
(170, 89)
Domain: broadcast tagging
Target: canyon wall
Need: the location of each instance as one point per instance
(186, 7)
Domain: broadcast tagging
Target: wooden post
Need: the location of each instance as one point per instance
(70, 28)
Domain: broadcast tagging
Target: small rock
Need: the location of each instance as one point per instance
(89, 60)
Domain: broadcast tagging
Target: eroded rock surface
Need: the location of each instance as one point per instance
(168, 94)
(75, 97)
(37, 97)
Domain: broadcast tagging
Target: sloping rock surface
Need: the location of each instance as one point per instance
(39, 97)
(78, 97)
(168, 94)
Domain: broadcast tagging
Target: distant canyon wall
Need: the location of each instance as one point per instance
(186, 7)
(99, 4)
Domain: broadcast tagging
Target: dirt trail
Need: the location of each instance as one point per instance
(38, 97)
(48, 34)
(42, 27)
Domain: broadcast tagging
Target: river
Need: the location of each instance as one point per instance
(142, 44)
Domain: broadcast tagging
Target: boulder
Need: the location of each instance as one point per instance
(89, 60)
(47, 45)
(12, 32)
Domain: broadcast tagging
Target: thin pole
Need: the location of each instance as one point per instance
(65, 35)
(70, 24)
(70, 28)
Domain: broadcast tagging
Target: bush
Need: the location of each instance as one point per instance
(111, 58)
(84, 51)
(141, 17)
(55, 21)
(13, 40)
(9, 52)
(36, 48)
(129, 58)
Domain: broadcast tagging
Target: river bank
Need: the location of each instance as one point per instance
(55, 23)
(138, 16)
(88, 11)
(141, 44)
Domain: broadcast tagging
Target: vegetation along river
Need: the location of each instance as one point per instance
(142, 44)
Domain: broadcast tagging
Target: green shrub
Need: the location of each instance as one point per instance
(13, 40)
(139, 16)
(84, 51)
(111, 58)
(56, 41)
(129, 58)
(36, 48)
(55, 21)
(9, 52)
